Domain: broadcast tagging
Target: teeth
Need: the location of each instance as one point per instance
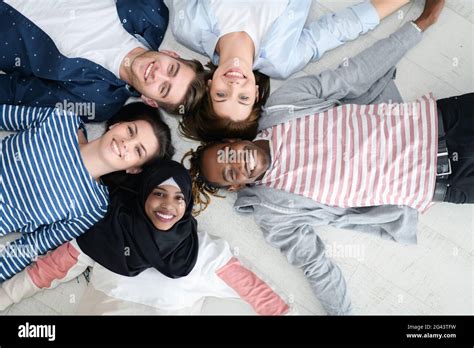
(164, 216)
(234, 74)
(252, 163)
(148, 70)
(116, 148)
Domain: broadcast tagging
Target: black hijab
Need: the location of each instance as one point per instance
(127, 243)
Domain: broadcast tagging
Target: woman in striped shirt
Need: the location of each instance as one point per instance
(51, 175)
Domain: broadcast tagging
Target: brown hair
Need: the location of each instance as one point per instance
(203, 124)
(202, 188)
(195, 92)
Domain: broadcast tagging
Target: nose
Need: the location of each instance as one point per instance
(166, 203)
(124, 146)
(240, 168)
(159, 74)
(234, 82)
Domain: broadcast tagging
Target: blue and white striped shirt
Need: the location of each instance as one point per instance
(46, 193)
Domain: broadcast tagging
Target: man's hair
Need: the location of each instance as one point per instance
(194, 93)
(135, 112)
(202, 188)
(203, 124)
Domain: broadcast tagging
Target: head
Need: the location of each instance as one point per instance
(135, 136)
(168, 81)
(231, 107)
(165, 206)
(231, 164)
(167, 199)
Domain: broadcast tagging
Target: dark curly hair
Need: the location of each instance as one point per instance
(202, 188)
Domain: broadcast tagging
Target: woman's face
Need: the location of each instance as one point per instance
(233, 91)
(165, 206)
(129, 145)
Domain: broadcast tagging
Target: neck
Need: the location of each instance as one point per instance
(236, 45)
(125, 70)
(94, 164)
(265, 146)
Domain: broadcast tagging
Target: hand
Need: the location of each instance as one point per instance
(430, 14)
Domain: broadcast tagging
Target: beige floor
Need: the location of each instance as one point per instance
(433, 277)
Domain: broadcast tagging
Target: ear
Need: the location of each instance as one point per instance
(150, 102)
(170, 53)
(257, 95)
(209, 83)
(134, 170)
(234, 188)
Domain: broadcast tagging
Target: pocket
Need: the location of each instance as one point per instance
(455, 195)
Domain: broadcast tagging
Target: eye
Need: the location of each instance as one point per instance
(158, 194)
(163, 89)
(130, 131)
(243, 97)
(139, 152)
(180, 198)
(220, 94)
(171, 70)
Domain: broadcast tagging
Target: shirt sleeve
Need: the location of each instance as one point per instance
(304, 249)
(56, 267)
(20, 117)
(352, 78)
(20, 253)
(91, 106)
(328, 32)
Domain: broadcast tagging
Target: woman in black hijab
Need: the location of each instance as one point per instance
(152, 227)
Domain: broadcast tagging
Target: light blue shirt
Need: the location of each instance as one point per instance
(289, 44)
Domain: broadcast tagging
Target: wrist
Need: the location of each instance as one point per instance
(421, 23)
(417, 27)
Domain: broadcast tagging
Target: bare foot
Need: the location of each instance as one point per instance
(430, 14)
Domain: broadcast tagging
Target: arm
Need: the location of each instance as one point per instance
(57, 267)
(22, 252)
(304, 249)
(334, 29)
(19, 117)
(96, 107)
(251, 288)
(352, 78)
(387, 7)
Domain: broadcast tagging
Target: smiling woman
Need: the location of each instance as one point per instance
(53, 190)
(141, 230)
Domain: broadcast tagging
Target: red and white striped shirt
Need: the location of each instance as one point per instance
(358, 155)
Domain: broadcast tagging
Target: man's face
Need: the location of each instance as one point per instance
(234, 164)
(159, 77)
